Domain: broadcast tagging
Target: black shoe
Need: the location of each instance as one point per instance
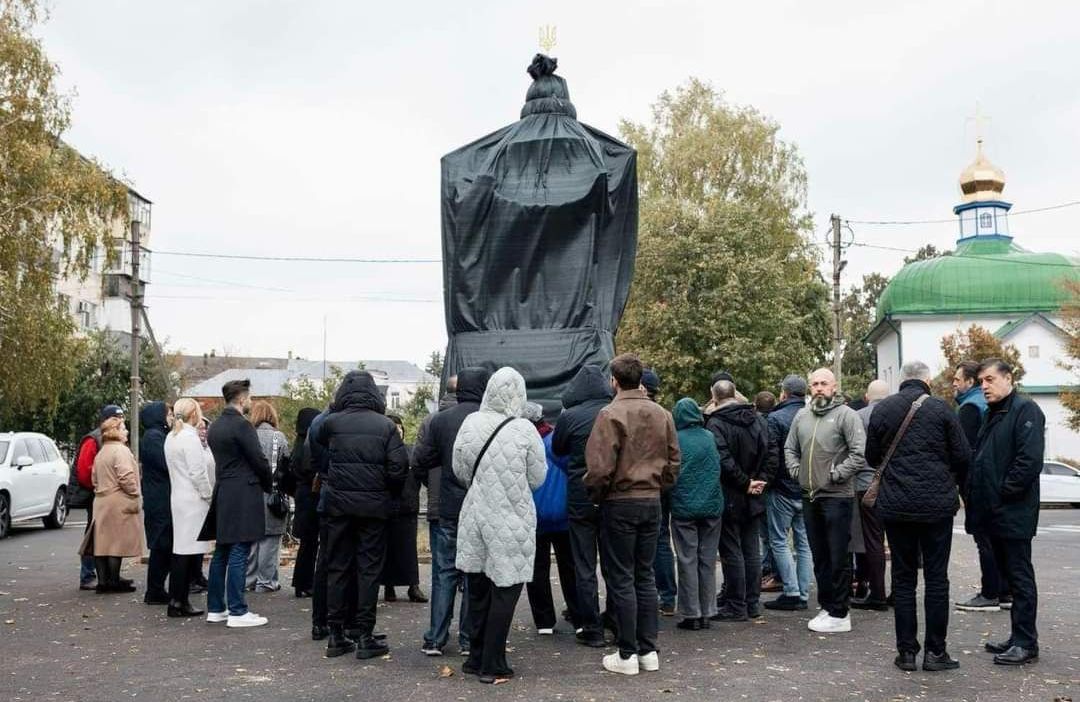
(319, 633)
(1017, 656)
(183, 610)
(89, 585)
(754, 612)
(787, 603)
(867, 603)
(338, 645)
(155, 599)
(129, 586)
(1006, 602)
(997, 646)
(592, 639)
(689, 625)
(727, 615)
(417, 595)
(905, 661)
(302, 594)
(369, 647)
(501, 675)
(934, 662)
(469, 669)
(978, 603)
(389, 595)
(355, 633)
(126, 582)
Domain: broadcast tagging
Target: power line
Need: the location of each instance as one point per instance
(902, 222)
(297, 259)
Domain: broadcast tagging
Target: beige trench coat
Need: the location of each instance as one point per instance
(117, 529)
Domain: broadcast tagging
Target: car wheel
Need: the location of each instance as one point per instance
(5, 515)
(59, 513)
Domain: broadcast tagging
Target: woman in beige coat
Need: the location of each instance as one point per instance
(117, 530)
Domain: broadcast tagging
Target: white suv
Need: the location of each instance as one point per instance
(33, 481)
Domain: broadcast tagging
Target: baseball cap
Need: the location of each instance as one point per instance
(794, 385)
(110, 411)
(650, 380)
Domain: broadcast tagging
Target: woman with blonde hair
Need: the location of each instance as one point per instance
(262, 572)
(190, 465)
(116, 531)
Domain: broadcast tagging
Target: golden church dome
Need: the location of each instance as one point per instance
(982, 180)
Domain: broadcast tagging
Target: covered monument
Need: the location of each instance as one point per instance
(539, 230)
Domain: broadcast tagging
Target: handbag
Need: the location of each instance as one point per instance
(550, 499)
(870, 498)
(278, 502)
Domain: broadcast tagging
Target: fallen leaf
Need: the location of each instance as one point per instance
(446, 672)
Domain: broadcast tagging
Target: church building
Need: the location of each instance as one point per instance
(990, 281)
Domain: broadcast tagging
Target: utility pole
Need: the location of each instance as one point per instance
(838, 265)
(136, 334)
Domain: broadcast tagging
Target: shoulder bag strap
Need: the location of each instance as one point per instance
(476, 465)
(902, 430)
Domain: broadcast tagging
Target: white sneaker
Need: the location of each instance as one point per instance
(616, 664)
(431, 651)
(832, 625)
(246, 620)
(817, 619)
(545, 632)
(650, 662)
(217, 617)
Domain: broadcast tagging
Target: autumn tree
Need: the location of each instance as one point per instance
(859, 315)
(726, 277)
(306, 392)
(975, 344)
(1070, 316)
(57, 209)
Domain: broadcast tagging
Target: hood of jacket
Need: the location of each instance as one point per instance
(973, 396)
(837, 401)
(448, 400)
(505, 393)
(153, 416)
(687, 414)
(358, 391)
(471, 384)
(590, 383)
(304, 418)
(737, 413)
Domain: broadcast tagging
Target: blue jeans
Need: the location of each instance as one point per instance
(664, 562)
(87, 570)
(228, 572)
(786, 513)
(445, 579)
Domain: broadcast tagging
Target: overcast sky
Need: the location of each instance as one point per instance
(316, 128)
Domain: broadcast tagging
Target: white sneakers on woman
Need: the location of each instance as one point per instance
(650, 662)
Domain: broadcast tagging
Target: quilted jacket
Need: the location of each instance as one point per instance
(497, 528)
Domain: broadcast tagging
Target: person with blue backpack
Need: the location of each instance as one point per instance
(552, 532)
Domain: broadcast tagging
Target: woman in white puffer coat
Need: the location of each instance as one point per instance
(496, 541)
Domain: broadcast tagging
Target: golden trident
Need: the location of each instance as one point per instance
(547, 37)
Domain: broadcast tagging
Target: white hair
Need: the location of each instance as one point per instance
(915, 370)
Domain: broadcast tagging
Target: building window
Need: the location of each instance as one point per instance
(87, 315)
(1033, 351)
(395, 400)
(986, 221)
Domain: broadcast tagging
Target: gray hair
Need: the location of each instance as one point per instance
(723, 390)
(915, 370)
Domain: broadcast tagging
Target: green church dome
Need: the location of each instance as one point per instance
(986, 274)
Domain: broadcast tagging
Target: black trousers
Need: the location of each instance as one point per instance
(994, 583)
(932, 542)
(828, 529)
(540, 599)
(357, 550)
(304, 571)
(491, 611)
(160, 563)
(740, 553)
(870, 566)
(628, 548)
(1014, 557)
(182, 569)
(584, 542)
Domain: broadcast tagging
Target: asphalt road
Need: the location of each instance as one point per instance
(57, 643)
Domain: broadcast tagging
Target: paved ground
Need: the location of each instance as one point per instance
(57, 643)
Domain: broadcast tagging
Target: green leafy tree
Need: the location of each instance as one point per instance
(859, 310)
(1070, 315)
(307, 392)
(975, 344)
(435, 364)
(726, 276)
(57, 208)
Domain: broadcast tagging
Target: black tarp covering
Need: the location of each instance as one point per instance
(539, 227)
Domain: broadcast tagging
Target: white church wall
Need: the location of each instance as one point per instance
(922, 336)
(1040, 351)
(1060, 440)
(887, 361)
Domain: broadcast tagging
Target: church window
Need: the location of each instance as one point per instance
(1033, 351)
(986, 221)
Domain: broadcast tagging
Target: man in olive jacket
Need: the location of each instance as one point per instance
(1003, 500)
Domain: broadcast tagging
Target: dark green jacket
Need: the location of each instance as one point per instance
(697, 493)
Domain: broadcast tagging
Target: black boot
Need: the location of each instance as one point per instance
(319, 632)
(417, 595)
(183, 609)
(105, 583)
(338, 645)
(367, 646)
(389, 595)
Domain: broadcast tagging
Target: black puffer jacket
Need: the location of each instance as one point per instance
(436, 447)
(368, 462)
(588, 393)
(156, 488)
(1003, 489)
(742, 439)
(920, 482)
(779, 424)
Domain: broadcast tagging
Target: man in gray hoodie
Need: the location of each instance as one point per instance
(824, 451)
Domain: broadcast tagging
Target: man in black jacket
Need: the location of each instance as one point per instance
(741, 437)
(1003, 502)
(587, 394)
(237, 516)
(368, 466)
(433, 450)
(156, 418)
(916, 501)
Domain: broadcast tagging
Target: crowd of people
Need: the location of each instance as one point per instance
(804, 485)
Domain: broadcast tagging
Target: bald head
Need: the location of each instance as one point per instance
(877, 390)
(822, 384)
(723, 390)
